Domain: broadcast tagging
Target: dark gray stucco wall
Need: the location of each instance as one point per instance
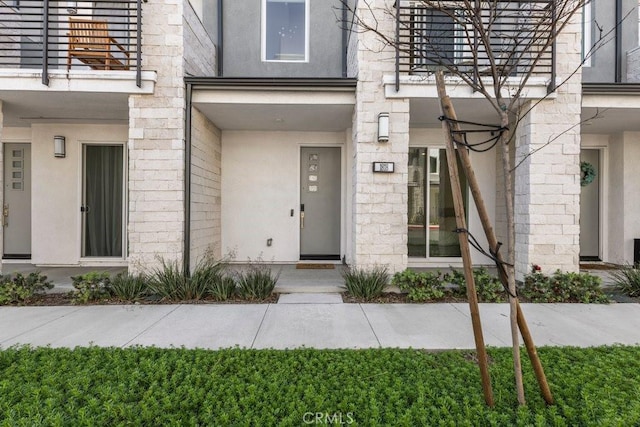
(602, 69)
(242, 42)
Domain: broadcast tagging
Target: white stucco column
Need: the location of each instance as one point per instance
(379, 200)
(547, 182)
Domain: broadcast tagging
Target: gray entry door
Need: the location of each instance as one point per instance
(320, 203)
(590, 209)
(17, 201)
(103, 201)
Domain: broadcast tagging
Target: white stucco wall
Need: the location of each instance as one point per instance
(56, 191)
(624, 197)
(260, 186)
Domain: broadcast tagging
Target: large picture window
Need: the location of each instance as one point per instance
(285, 30)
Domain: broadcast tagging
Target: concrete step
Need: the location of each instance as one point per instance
(310, 298)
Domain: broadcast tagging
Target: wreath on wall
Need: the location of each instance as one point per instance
(587, 173)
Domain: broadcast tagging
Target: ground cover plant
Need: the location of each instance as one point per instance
(19, 289)
(150, 386)
(563, 287)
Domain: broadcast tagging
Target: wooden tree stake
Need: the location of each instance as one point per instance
(449, 112)
(472, 296)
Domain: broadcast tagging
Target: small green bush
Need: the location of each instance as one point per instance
(208, 278)
(20, 288)
(420, 287)
(257, 281)
(563, 287)
(222, 288)
(129, 287)
(627, 280)
(92, 286)
(169, 281)
(488, 287)
(363, 283)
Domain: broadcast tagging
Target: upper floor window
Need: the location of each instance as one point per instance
(285, 30)
(587, 32)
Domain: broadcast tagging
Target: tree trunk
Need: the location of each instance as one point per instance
(511, 241)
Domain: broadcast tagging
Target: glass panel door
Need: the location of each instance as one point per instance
(431, 212)
(102, 206)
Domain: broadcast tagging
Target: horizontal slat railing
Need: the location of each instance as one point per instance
(448, 36)
(53, 34)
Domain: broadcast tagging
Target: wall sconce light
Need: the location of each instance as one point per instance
(383, 127)
(59, 146)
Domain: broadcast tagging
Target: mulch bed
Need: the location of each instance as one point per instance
(53, 299)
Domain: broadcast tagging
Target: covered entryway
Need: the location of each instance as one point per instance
(282, 147)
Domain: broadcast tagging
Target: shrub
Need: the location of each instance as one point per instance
(208, 276)
(129, 287)
(257, 281)
(22, 288)
(170, 282)
(563, 287)
(627, 280)
(222, 288)
(367, 284)
(488, 287)
(420, 287)
(91, 286)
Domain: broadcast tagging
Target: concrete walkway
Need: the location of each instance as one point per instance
(320, 322)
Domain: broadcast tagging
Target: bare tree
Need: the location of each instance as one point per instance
(496, 47)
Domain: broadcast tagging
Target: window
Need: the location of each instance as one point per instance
(285, 30)
(430, 205)
(587, 28)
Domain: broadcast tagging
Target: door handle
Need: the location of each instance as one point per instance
(5, 216)
(302, 215)
(85, 209)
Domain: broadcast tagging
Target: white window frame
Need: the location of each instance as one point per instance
(587, 29)
(263, 35)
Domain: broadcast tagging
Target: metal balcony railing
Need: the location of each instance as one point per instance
(54, 34)
(518, 38)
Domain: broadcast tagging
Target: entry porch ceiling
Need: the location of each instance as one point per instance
(598, 117)
(311, 110)
(22, 108)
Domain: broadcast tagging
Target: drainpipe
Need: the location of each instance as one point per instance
(220, 52)
(618, 43)
(187, 181)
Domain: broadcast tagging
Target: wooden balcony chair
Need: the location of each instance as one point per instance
(90, 43)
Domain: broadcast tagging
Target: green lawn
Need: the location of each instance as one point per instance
(149, 386)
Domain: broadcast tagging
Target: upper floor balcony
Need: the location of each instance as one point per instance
(507, 39)
(54, 36)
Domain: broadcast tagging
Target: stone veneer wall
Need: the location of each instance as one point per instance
(206, 148)
(199, 49)
(379, 201)
(547, 184)
(633, 65)
(156, 142)
(206, 155)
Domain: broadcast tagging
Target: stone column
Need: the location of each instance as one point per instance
(156, 143)
(547, 182)
(379, 200)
